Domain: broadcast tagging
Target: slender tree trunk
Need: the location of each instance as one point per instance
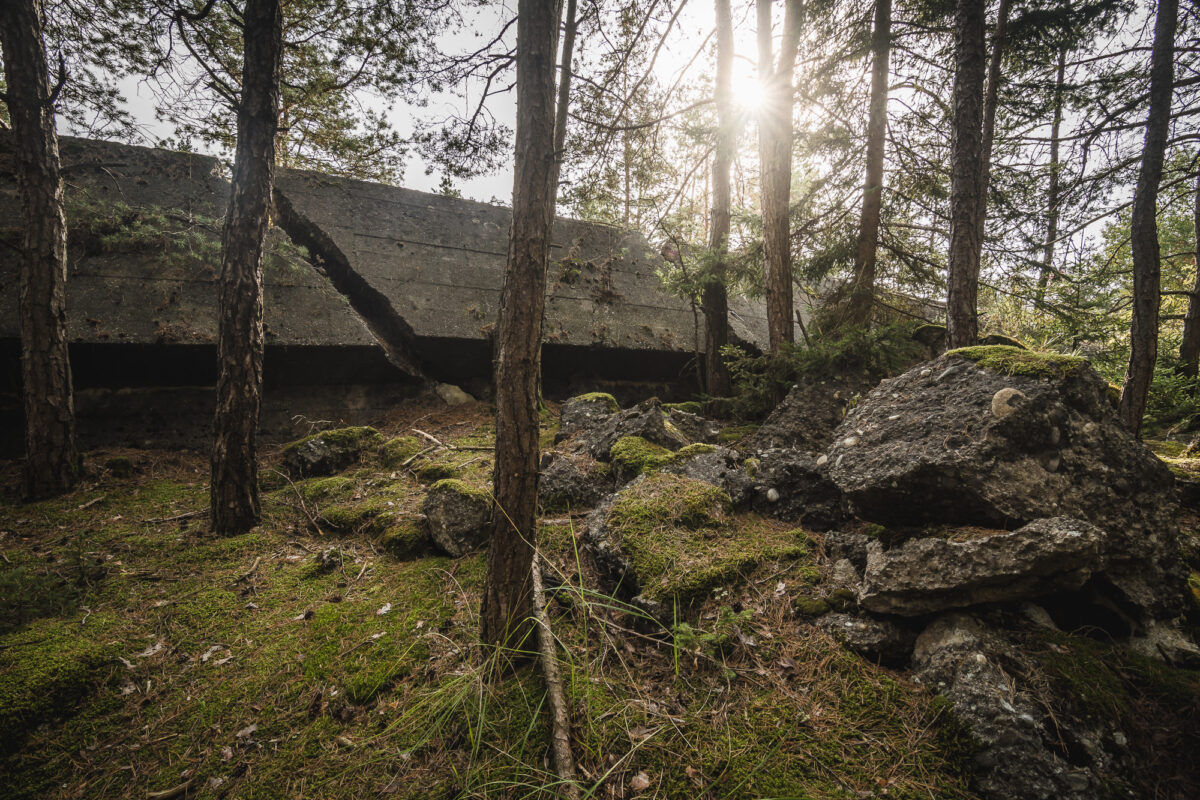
(863, 298)
(966, 237)
(1055, 184)
(507, 596)
(991, 102)
(564, 96)
(775, 148)
(51, 461)
(234, 487)
(715, 302)
(1189, 348)
(1143, 338)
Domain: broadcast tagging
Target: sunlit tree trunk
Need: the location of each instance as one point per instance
(505, 614)
(234, 487)
(966, 235)
(1189, 348)
(775, 156)
(1143, 337)
(51, 461)
(715, 301)
(863, 297)
(564, 96)
(1054, 189)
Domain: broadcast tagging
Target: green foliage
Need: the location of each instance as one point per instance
(720, 639)
(876, 353)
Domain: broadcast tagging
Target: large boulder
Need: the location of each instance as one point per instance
(922, 575)
(572, 481)
(645, 420)
(999, 437)
(584, 411)
(807, 417)
(458, 516)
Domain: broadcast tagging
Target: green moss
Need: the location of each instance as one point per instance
(357, 517)
(460, 487)
(119, 466)
(842, 599)
(46, 670)
(353, 438)
(633, 455)
(405, 540)
(690, 407)
(693, 450)
(602, 398)
(810, 606)
(682, 542)
(1112, 393)
(1005, 360)
(434, 471)
(993, 339)
(735, 433)
(751, 467)
(318, 490)
(1166, 448)
(395, 452)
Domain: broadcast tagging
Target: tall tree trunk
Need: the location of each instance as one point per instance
(507, 595)
(1143, 337)
(564, 96)
(1055, 184)
(1189, 348)
(715, 301)
(234, 487)
(991, 102)
(863, 298)
(51, 461)
(775, 149)
(966, 236)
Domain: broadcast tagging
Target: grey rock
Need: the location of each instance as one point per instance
(804, 492)
(459, 520)
(585, 411)
(879, 640)
(646, 420)
(451, 395)
(329, 452)
(924, 575)
(933, 451)
(720, 467)
(1006, 401)
(694, 427)
(807, 417)
(963, 660)
(848, 545)
(571, 481)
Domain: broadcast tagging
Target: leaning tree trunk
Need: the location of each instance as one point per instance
(1189, 348)
(234, 488)
(506, 612)
(564, 96)
(775, 148)
(715, 302)
(51, 461)
(991, 102)
(966, 236)
(1054, 189)
(1143, 337)
(862, 300)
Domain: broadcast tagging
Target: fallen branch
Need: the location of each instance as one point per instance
(203, 512)
(174, 791)
(560, 735)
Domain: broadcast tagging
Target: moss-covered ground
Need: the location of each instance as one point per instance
(138, 653)
(1009, 360)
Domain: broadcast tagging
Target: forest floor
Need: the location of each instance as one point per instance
(142, 657)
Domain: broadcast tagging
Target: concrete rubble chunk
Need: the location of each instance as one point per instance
(458, 516)
(924, 575)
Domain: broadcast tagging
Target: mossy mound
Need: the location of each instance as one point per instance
(395, 452)
(405, 539)
(632, 456)
(329, 451)
(736, 433)
(681, 541)
(434, 471)
(46, 670)
(602, 399)
(1007, 360)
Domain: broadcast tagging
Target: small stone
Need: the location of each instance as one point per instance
(773, 495)
(1005, 401)
(850, 441)
(822, 460)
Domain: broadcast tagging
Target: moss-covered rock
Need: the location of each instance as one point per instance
(805, 606)
(670, 540)
(459, 516)
(406, 539)
(690, 407)
(633, 455)
(1007, 360)
(434, 471)
(329, 451)
(119, 466)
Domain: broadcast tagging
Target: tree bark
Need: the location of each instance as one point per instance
(991, 102)
(51, 460)
(1143, 338)
(715, 301)
(966, 149)
(506, 612)
(775, 149)
(234, 483)
(564, 96)
(862, 299)
(1054, 189)
(1189, 348)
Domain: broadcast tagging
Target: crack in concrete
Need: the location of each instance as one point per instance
(389, 328)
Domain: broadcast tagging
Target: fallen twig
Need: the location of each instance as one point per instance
(300, 498)
(564, 760)
(202, 512)
(174, 791)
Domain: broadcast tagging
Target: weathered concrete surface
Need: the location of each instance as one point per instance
(145, 238)
(439, 261)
